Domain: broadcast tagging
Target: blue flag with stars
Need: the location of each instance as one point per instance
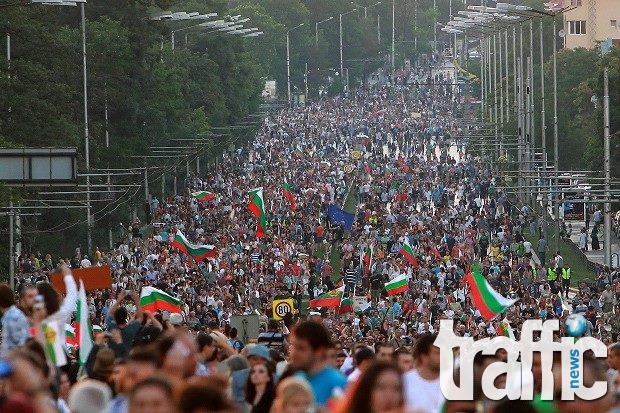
(337, 216)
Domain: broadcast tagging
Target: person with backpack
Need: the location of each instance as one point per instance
(234, 341)
(272, 338)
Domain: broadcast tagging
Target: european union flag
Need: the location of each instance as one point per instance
(337, 215)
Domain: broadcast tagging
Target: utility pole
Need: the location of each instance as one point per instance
(89, 222)
(288, 62)
(393, 31)
(607, 210)
(556, 195)
(435, 26)
(146, 180)
(107, 145)
(288, 67)
(11, 246)
(341, 63)
(543, 128)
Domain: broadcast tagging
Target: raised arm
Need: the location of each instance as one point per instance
(68, 305)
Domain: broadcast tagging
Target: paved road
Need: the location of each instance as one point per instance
(597, 256)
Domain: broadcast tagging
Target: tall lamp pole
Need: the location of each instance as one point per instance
(607, 210)
(341, 60)
(556, 206)
(288, 61)
(89, 222)
(435, 26)
(316, 29)
(393, 31)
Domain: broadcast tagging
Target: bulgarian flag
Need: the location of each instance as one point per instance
(69, 331)
(486, 299)
(324, 165)
(407, 252)
(346, 306)
(197, 252)
(204, 196)
(299, 152)
(152, 299)
(329, 299)
(398, 285)
(257, 208)
(287, 191)
(83, 330)
(504, 329)
(97, 330)
(367, 259)
(70, 337)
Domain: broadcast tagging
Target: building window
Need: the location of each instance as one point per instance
(575, 2)
(614, 24)
(577, 27)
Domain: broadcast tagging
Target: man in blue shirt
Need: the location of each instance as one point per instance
(15, 326)
(309, 345)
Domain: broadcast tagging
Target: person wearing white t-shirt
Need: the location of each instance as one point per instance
(422, 385)
(85, 263)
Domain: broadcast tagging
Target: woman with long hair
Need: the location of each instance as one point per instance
(260, 388)
(378, 390)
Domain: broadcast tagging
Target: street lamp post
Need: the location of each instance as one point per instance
(89, 222)
(288, 61)
(606, 165)
(556, 206)
(435, 26)
(316, 29)
(365, 7)
(341, 60)
(393, 31)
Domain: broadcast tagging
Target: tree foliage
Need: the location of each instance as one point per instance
(151, 95)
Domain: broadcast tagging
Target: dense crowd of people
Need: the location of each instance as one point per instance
(394, 156)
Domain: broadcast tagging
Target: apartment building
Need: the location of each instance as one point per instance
(591, 21)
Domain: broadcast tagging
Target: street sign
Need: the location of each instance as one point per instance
(281, 308)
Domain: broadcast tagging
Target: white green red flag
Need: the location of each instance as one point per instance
(153, 300)
(346, 306)
(204, 196)
(299, 152)
(70, 337)
(398, 285)
(504, 329)
(287, 191)
(83, 330)
(324, 165)
(407, 252)
(256, 205)
(197, 252)
(329, 299)
(489, 302)
(69, 331)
